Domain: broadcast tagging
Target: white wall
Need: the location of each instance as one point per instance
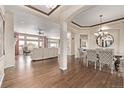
(1, 58)
(72, 44)
(9, 40)
(114, 32)
(116, 29)
(71, 41)
(70, 47)
(75, 42)
(1, 69)
(120, 26)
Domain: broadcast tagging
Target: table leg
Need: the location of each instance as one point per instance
(117, 62)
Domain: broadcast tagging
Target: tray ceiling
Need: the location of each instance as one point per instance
(44, 9)
(90, 17)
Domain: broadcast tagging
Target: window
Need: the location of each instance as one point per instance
(32, 38)
(52, 40)
(41, 44)
(32, 44)
(21, 37)
(35, 41)
(21, 43)
(53, 45)
(21, 46)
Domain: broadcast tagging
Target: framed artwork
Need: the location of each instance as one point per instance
(2, 22)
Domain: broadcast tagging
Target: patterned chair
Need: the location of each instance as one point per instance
(106, 57)
(121, 67)
(91, 56)
(82, 55)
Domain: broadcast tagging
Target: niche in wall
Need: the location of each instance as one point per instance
(83, 41)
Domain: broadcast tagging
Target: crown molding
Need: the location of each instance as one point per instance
(99, 23)
(43, 12)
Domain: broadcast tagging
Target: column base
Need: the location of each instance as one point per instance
(61, 68)
(1, 79)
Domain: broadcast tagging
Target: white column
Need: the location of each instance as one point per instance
(63, 47)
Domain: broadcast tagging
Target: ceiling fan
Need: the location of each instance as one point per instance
(40, 31)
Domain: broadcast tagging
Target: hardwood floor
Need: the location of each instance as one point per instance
(46, 73)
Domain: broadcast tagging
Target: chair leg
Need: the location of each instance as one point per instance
(87, 63)
(100, 66)
(84, 61)
(95, 65)
(112, 68)
(81, 60)
(111, 71)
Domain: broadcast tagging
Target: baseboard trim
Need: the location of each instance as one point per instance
(70, 54)
(1, 80)
(62, 68)
(44, 59)
(8, 66)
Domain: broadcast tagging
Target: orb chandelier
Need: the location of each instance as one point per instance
(100, 32)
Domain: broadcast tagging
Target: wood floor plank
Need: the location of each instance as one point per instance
(46, 73)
